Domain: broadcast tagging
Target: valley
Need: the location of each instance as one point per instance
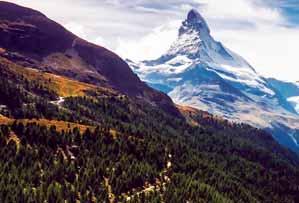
(78, 125)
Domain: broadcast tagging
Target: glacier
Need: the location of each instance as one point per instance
(199, 71)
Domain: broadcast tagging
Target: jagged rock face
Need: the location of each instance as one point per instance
(30, 38)
(199, 71)
(196, 21)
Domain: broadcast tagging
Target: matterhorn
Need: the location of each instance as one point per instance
(201, 72)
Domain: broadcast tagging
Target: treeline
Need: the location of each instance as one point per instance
(215, 161)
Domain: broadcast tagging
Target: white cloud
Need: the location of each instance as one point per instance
(249, 10)
(150, 46)
(77, 29)
(143, 29)
(272, 51)
(269, 45)
(249, 27)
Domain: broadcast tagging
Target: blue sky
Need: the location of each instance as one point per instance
(264, 32)
(289, 8)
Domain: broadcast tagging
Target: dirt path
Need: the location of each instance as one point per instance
(158, 186)
(58, 102)
(111, 196)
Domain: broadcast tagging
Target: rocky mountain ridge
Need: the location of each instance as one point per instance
(200, 72)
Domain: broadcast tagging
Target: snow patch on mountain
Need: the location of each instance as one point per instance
(295, 102)
(201, 72)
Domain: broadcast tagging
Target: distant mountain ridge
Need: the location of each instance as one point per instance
(289, 90)
(64, 140)
(201, 72)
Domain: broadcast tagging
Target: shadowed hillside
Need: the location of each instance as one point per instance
(75, 138)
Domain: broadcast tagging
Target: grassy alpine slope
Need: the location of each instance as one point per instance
(77, 125)
(131, 151)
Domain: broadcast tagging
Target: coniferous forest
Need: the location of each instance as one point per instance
(78, 125)
(130, 151)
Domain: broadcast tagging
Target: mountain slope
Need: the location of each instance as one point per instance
(60, 151)
(63, 140)
(29, 38)
(201, 72)
(289, 90)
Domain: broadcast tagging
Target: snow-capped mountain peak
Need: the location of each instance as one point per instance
(195, 42)
(196, 21)
(194, 33)
(200, 72)
(195, 45)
